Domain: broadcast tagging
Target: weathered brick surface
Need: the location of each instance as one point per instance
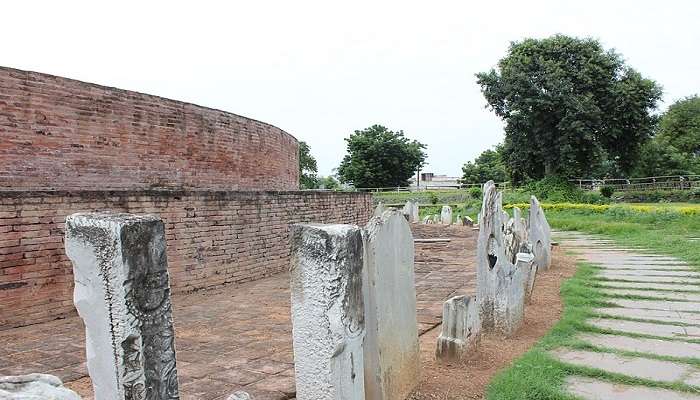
(63, 134)
(213, 238)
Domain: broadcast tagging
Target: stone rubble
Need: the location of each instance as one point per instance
(34, 387)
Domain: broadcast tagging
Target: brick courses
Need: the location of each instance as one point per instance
(213, 237)
(62, 134)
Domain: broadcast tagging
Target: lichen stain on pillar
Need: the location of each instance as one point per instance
(122, 293)
(328, 326)
(391, 352)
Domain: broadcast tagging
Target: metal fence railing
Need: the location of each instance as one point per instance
(679, 182)
(422, 188)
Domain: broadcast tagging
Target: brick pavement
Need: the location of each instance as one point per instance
(239, 337)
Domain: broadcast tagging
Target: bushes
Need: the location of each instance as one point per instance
(656, 196)
(607, 191)
(475, 192)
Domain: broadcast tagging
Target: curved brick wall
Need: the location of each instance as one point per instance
(63, 134)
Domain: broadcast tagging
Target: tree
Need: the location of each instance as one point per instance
(488, 166)
(307, 167)
(659, 158)
(328, 182)
(378, 157)
(680, 125)
(568, 104)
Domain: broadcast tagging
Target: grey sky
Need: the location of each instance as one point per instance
(321, 69)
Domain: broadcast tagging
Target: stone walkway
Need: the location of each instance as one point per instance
(653, 330)
(239, 337)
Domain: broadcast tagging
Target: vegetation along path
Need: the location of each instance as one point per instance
(643, 340)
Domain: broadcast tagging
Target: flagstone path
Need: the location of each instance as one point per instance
(653, 330)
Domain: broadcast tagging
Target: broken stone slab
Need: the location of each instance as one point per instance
(657, 295)
(328, 324)
(540, 235)
(646, 285)
(428, 219)
(530, 282)
(646, 328)
(668, 348)
(467, 221)
(410, 210)
(446, 215)
(34, 387)
(391, 350)
(637, 367)
(594, 389)
(678, 317)
(461, 329)
(122, 293)
(657, 304)
(500, 284)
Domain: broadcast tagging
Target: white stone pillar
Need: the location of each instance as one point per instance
(327, 311)
(461, 329)
(446, 215)
(379, 210)
(540, 235)
(122, 293)
(391, 352)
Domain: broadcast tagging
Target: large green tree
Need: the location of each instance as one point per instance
(680, 125)
(307, 167)
(378, 157)
(488, 166)
(568, 104)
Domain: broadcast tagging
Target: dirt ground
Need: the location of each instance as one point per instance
(468, 380)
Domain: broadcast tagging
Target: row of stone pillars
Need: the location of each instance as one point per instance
(510, 252)
(352, 295)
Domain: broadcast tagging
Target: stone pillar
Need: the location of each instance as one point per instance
(530, 282)
(540, 235)
(122, 293)
(391, 351)
(500, 282)
(328, 325)
(379, 209)
(446, 215)
(415, 212)
(461, 329)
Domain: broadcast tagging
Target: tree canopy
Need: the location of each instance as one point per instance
(378, 157)
(307, 167)
(680, 125)
(568, 105)
(488, 166)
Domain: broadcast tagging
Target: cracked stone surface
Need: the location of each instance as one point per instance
(655, 286)
(668, 295)
(646, 328)
(594, 389)
(619, 276)
(657, 304)
(656, 315)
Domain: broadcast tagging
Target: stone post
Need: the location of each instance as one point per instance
(391, 351)
(122, 293)
(461, 329)
(379, 210)
(328, 326)
(446, 215)
(540, 235)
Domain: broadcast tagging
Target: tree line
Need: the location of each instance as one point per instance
(571, 109)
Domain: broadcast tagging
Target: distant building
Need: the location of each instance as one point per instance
(429, 180)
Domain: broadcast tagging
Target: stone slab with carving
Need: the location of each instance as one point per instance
(446, 215)
(34, 387)
(540, 235)
(122, 293)
(391, 351)
(461, 329)
(328, 326)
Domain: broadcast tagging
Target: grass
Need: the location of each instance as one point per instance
(537, 375)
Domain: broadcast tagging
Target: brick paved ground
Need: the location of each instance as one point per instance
(239, 337)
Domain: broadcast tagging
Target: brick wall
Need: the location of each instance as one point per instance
(63, 134)
(213, 238)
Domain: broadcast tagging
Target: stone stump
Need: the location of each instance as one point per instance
(122, 293)
(530, 282)
(391, 351)
(461, 329)
(540, 235)
(34, 387)
(328, 326)
(446, 215)
(501, 283)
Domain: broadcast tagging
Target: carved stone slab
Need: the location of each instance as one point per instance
(122, 293)
(461, 329)
(328, 326)
(379, 210)
(540, 235)
(410, 211)
(391, 351)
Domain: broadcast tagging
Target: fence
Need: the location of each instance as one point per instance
(680, 182)
(423, 188)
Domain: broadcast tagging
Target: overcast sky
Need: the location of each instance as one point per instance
(322, 69)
